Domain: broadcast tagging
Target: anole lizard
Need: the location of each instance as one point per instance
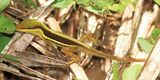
(39, 29)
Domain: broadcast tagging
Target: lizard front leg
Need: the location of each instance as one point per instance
(70, 52)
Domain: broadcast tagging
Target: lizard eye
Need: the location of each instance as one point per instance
(5, 28)
(28, 27)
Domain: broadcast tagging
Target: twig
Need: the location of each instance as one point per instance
(125, 33)
(78, 71)
(152, 66)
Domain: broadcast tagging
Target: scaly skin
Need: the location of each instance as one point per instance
(39, 29)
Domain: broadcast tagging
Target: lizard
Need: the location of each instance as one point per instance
(39, 29)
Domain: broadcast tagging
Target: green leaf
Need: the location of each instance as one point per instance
(120, 6)
(125, 2)
(115, 7)
(63, 3)
(94, 9)
(157, 1)
(115, 71)
(155, 34)
(6, 25)
(10, 57)
(102, 3)
(131, 72)
(145, 45)
(3, 4)
(83, 2)
(29, 3)
(104, 6)
(3, 41)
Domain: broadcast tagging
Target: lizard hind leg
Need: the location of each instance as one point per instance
(89, 38)
(70, 52)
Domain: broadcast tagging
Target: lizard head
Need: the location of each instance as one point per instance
(29, 24)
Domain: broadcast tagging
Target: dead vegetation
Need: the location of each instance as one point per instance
(113, 33)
